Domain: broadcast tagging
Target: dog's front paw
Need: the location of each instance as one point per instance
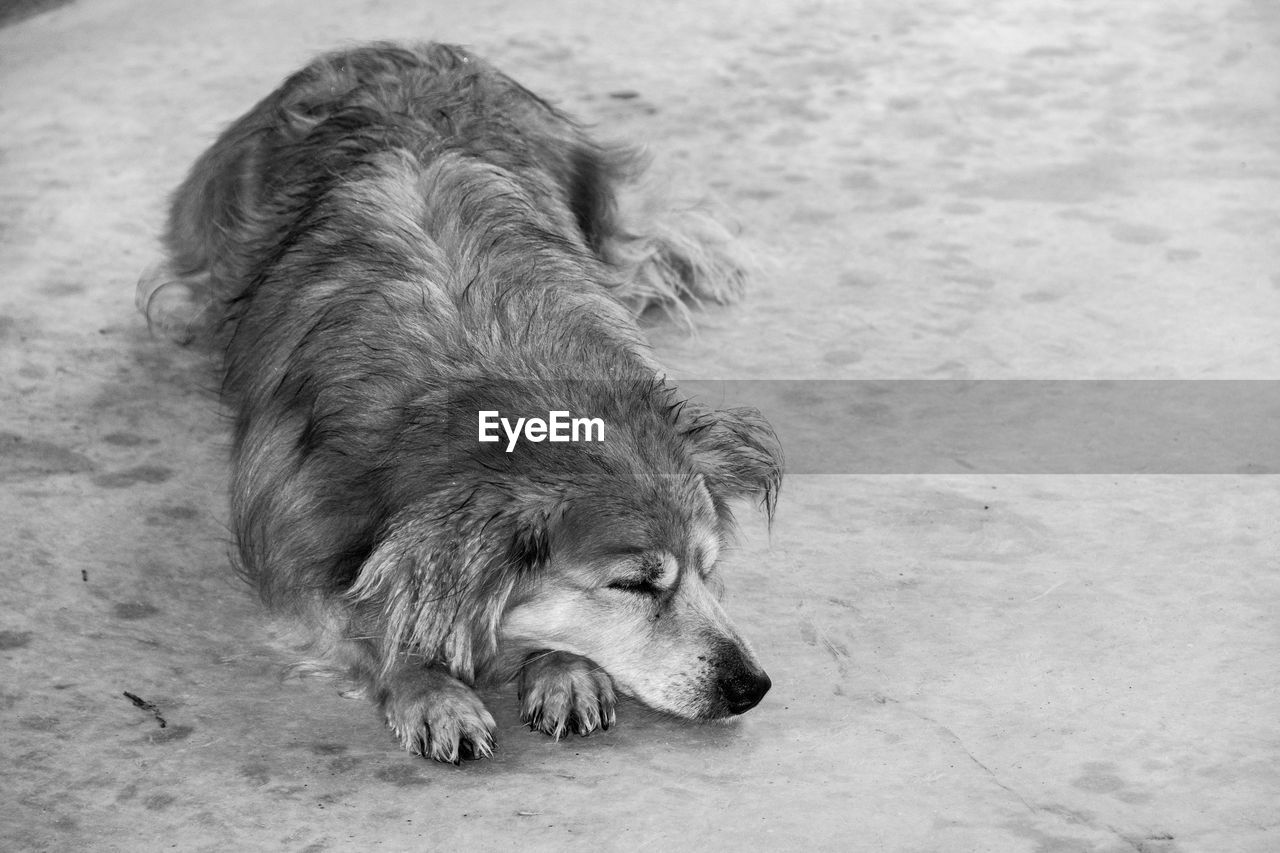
(436, 716)
(561, 692)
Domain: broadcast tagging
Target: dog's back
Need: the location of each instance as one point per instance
(344, 116)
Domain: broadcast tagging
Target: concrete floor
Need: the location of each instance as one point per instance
(962, 661)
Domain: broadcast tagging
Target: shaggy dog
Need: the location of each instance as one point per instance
(394, 242)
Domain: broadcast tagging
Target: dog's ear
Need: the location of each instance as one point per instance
(441, 575)
(739, 456)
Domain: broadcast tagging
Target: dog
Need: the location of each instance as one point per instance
(395, 242)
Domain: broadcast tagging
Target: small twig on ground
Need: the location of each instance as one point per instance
(146, 706)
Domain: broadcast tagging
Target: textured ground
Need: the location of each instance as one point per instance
(962, 661)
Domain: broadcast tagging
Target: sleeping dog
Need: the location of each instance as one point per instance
(397, 243)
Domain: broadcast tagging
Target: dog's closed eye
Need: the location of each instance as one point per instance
(638, 586)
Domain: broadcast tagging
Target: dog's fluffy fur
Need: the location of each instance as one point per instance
(392, 241)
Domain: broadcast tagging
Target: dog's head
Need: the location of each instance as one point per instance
(608, 551)
(628, 570)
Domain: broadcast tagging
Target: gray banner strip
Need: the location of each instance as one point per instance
(1014, 426)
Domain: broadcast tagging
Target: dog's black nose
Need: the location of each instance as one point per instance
(744, 688)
